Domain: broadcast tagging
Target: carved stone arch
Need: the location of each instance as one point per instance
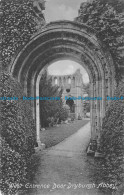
(66, 40)
(70, 55)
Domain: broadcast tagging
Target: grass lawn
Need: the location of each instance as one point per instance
(54, 135)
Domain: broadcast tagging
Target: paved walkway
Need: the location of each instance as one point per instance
(64, 168)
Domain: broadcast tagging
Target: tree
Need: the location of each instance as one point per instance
(106, 17)
(111, 168)
(19, 23)
(50, 110)
(109, 25)
(117, 4)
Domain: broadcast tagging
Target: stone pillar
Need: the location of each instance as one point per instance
(100, 91)
(38, 112)
(32, 93)
(100, 104)
(97, 109)
(91, 110)
(109, 87)
(102, 110)
(122, 72)
(103, 98)
(38, 121)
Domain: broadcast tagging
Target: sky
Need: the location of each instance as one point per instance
(64, 10)
(65, 67)
(61, 9)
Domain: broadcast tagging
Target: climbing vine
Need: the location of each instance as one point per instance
(18, 136)
(109, 25)
(111, 168)
(19, 23)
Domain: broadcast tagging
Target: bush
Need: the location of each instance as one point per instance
(112, 143)
(63, 114)
(19, 23)
(109, 25)
(18, 133)
(13, 167)
(50, 110)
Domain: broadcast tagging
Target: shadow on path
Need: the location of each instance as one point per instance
(64, 168)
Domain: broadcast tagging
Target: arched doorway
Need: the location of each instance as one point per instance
(67, 40)
(70, 103)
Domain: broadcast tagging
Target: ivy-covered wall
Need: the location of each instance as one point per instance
(112, 144)
(108, 20)
(18, 136)
(19, 21)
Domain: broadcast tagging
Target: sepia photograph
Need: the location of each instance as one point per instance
(62, 97)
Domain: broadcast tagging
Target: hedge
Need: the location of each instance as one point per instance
(19, 23)
(18, 133)
(13, 169)
(112, 144)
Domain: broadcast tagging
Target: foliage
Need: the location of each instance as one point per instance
(13, 167)
(112, 143)
(106, 18)
(19, 24)
(63, 114)
(117, 4)
(109, 25)
(18, 133)
(50, 108)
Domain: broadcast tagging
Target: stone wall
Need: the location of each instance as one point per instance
(72, 86)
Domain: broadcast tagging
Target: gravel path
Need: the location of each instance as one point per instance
(64, 168)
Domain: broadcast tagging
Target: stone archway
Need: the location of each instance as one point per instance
(67, 40)
(70, 103)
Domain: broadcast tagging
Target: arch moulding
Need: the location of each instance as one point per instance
(67, 40)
